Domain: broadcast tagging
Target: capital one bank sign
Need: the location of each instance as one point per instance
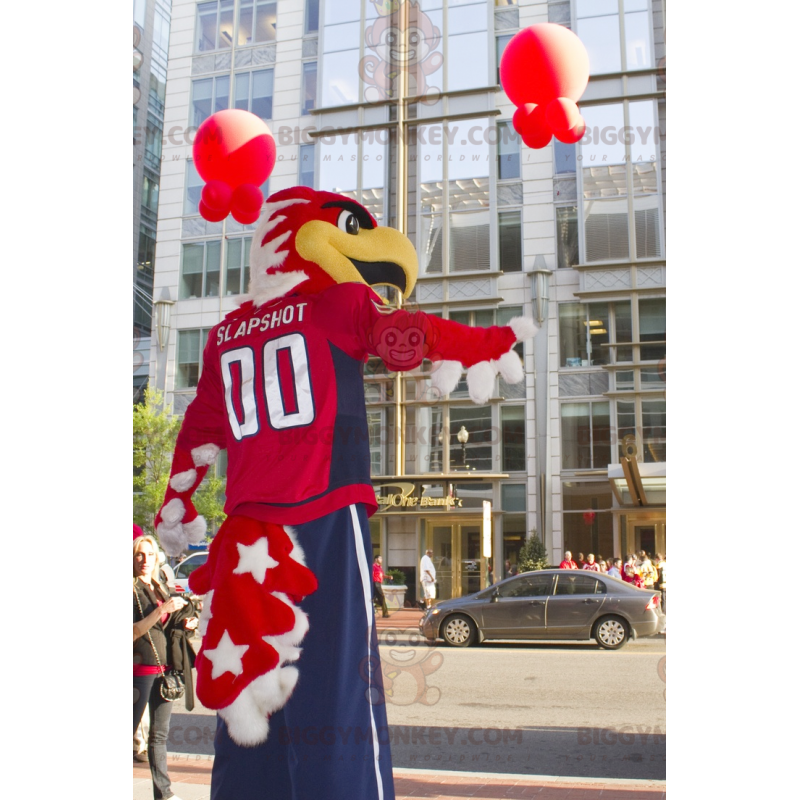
(406, 498)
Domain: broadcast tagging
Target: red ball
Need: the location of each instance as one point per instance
(562, 114)
(246, 203)
(234, 146)
(539, 139)
(211, 214)
(574, 134)
(543, 62)
(216, 196)
(528, 119)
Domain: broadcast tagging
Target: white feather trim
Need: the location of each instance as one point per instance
(173, 512)
(264, 288)
(183, 481)
(205, 454)
(246, 717)
(172, 538)
(480, 382)
(300, 629)
(445, 376)
(297, 554)
(510, 367)
(524, 328)
(195, 530)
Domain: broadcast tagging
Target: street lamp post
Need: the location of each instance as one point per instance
(463, 437)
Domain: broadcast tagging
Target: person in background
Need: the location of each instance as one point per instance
(155, 614)
(427, 577)
(615, 570)
(661, 569)
(514, 570)
(489, 574)
(568, 563)
(378, 577)
(506, 568)
(590, 564)
(645, 568)
(630, 572)
(603, 566)
(581, 560)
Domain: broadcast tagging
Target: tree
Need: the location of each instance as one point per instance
(533, 554)
(155, 430)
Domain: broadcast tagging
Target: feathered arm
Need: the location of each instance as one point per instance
(201, 437)
(403, 339)
(484, 352)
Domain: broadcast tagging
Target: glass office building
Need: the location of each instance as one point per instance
(399, 107)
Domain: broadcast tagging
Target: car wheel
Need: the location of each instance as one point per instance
(459, 631)
(611, 633)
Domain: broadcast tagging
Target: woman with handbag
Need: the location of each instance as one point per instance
(155, 617)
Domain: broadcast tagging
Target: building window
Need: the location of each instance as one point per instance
(209, 95)
(194, 188)
(508, 140)
(312, 16)
(509, 225)
(587, 521)
(567, 235)
(253, 92)
(306, 166)
(477, 453)
(598, 26)
(584, 329)
(150, 193)
(308, 98)
(214, 26)
(351, 74)
(237, 265)
(257, 22)
(501, 42)
(653, 328)
(654, 430)
(200, 270)
(620, 162)
(512, 425)
(189, 364)
(585, 435)
(564, 157)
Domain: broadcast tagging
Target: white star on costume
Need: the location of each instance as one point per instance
(255, 559)
(226, 657)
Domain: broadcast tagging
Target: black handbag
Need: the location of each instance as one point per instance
(171, 686)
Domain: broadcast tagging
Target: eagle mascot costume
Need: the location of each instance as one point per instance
(282, 390)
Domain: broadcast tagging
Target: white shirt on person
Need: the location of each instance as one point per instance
(426, 566)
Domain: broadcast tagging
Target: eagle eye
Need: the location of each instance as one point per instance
(348, 223)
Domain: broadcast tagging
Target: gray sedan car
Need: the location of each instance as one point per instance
(549, 604)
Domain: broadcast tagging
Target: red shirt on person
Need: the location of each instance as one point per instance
(377, 573)
(568, 564)
(593, 566)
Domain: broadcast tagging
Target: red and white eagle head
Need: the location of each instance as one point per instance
(307, 241)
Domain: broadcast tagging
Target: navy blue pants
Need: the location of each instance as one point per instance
(331, 740)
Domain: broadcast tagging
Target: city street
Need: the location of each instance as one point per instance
(539, 708)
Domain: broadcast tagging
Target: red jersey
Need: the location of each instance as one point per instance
(568, 564)
(594, 566)
(377, 573)
(282, 389)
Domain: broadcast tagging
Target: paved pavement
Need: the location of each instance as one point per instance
(191, 774)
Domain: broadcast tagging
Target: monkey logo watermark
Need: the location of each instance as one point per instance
(402, 39)
(405, 669)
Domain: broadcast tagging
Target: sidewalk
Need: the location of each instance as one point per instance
(191, 780)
